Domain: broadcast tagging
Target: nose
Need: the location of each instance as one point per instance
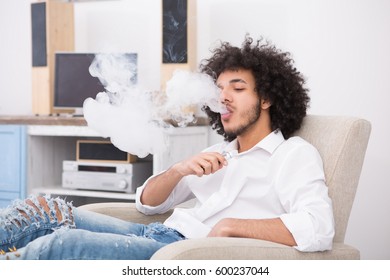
(224, 96)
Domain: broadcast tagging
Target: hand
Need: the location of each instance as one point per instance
(201, 164)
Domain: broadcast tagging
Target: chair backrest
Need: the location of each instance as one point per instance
(342, 143)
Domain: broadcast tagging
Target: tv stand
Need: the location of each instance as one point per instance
(51, 140)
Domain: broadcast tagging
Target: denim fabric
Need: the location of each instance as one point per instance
(28, 232)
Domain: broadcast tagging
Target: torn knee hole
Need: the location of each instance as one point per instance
(50, 208)
(32, 204)
(58, 212)
(42, 207)
(43, 203)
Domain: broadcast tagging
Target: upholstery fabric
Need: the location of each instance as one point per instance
(342, 142)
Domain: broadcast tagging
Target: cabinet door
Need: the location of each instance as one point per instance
(12, 163)
(182, 142)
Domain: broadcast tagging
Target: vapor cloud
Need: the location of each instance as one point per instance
(135, 119)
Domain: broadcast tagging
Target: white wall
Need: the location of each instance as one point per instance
(15, 57)
(122, 26)
(341, 46)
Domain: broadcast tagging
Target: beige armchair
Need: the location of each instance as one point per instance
(342, 143)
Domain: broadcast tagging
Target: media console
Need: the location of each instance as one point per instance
(51, 140)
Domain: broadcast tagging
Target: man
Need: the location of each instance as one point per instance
(265, 187)
(273, 189)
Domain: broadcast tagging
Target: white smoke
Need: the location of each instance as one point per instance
(135, 119)
(186, 89)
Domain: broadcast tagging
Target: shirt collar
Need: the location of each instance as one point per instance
(269, 143)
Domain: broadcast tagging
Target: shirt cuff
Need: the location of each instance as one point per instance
(300, 226)
(150, 210)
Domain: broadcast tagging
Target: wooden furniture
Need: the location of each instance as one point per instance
(52, 31)
(171, 25)
(51, 140)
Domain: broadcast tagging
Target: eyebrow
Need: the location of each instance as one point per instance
(237, 81)
(232, 81)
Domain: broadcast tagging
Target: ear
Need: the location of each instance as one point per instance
(265, 104)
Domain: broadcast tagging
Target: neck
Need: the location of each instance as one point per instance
(255, 133)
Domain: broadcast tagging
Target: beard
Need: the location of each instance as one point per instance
(250, 117)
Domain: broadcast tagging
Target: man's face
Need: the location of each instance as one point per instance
(242, 102)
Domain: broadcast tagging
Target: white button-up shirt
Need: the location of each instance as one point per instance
(275, 178)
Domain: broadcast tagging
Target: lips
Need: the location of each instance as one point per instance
(225, 115)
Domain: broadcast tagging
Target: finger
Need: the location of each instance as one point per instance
(206, 166)
(197, 169)
(206, 163)
(216, 160)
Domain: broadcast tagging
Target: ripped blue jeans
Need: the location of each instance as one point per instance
(50, 228)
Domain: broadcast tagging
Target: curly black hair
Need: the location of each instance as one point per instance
(277, 81)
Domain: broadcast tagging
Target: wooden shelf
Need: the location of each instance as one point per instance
(44, 120)
(52, 139)
(70, 120)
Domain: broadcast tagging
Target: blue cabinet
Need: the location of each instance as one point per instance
(12, 163)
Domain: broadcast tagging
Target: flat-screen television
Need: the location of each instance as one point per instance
(73, 82)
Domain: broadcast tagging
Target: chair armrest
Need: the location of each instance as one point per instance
(125, 211)
(218, 247)
(224, 248)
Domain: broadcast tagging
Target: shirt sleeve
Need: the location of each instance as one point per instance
(180, 194)
(304, 195)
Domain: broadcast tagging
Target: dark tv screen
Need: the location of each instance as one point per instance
(73, 83)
